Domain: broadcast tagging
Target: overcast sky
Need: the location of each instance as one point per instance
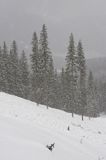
(85, 18)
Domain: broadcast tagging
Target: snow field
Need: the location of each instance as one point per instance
(26, 129)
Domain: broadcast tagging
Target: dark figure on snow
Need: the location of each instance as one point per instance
(68, 128)
(51, 147)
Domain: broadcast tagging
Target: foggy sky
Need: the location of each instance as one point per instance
(85, 18)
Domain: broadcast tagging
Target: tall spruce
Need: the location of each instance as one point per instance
(63, 89)
(4, 68)
(71, 75)
(58, 101)
(102, 95)
(45, 62)
(51, 84)
(15, 85)
(24, 71)
(1, 71)
(92, 106)
(82, 80)
(35, 69)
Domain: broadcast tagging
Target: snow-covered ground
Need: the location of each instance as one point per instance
(26, 129)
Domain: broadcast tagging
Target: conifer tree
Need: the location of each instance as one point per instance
(35, 54)
(44, 50)
(82, 79)
(45, 62)
(24, 75)
(102, 95)
(71, 75)
(4, 68)
(51, 84)
(57, 91)
(1, 71)
(35, 69)
(63, 92)
(15, 85)
(92, 106)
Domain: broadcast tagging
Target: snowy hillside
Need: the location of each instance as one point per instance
(26, 129)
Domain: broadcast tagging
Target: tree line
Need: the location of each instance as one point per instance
(73, 89)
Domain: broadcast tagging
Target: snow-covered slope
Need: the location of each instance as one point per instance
(26, 129)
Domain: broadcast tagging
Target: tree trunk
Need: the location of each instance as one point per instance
(82, 117)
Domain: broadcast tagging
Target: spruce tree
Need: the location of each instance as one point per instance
(1, 71)
(35, 62)
(51, 84)
(35, 55)
(63, 91)
(15, 85)
(58, 94)
(4, 68)
(71, 75)
(24, 71)
(82, 79)
(45, 62)
(102, 95)
(92, 106)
